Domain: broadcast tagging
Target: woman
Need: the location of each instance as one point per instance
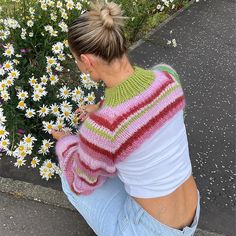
(128, 170)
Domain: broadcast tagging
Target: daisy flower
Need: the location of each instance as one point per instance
(66, 114)
(3, 85)
(78, 6)
(66, 106)
(34, 162)
(4, 143)
(2, 118)
(14, 74)
(44, 110)
(64, 92)
(45, 173)
(29, 139)
(3, 132)
(51, 61)
(43, 6)
(20, 162)
(44, 80)
(36, 96)
(4, 34)
(53, 16)
(8, 65)
(70, 5)
(61, 57)
(63, 26)
(21, 105)
(77, 94)
(32, 81)
(174, 42)
(90, 98)
(74, 120)
(9, 52)
(22, 95)
(9, 82)
(53, 79)
(30, 23)
(58, 48)
(5, 96)
(48, 164)
(48, 126)
(54, 109)
(59, 125)
(43, 151)
(30, 113)
(64, 15)
(54, 33)
(59, 4)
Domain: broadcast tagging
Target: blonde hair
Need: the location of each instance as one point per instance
(99, 31)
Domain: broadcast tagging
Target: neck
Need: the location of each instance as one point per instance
(113, 74)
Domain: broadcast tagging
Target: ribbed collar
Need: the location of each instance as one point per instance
(140, 80)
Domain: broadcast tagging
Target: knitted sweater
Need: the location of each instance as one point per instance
(130, 113)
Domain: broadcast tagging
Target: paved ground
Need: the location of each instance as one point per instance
(205, 60)
(38, 219)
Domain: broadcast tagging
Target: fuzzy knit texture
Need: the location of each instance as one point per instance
(129, 114)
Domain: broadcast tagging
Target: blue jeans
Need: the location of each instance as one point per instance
(110, 211)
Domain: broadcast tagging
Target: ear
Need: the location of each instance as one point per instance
(87, 60)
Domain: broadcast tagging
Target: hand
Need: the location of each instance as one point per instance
(59, 134)
(86, 110)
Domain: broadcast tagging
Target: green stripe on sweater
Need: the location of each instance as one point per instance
(135, 117)
(169, 70)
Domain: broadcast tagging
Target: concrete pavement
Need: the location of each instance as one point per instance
(204, 58)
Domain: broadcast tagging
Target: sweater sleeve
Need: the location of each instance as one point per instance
(84, 166)
(171, 71)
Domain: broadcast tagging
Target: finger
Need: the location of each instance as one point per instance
(77, 110)
(81, 116)
(85, 117)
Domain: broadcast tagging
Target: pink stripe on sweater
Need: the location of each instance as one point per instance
(95, 154)
(148, 116)
(90, 160)
(138, 142)
(105, 144)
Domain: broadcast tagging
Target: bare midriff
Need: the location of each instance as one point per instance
(177, 209)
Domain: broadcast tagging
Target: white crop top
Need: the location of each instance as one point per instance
(161, 164)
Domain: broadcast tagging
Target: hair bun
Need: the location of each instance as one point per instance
(110, 14)
(106, 17)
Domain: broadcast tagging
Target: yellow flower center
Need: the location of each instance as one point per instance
(28, 140)
(21, 103)
(49, 165)
(8, 66)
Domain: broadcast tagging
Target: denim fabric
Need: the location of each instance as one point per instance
(110, 211)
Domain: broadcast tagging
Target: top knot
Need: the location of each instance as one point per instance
(109, 14)
(106, 17)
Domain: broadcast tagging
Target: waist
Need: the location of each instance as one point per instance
(176, 209)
